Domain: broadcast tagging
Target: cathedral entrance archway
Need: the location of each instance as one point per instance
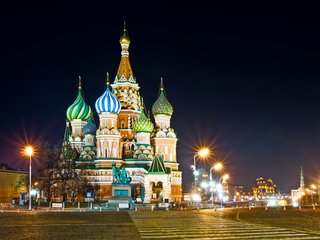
(157, 189)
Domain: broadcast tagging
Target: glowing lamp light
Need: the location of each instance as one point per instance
(203, 152)
(204, 184)
(195, 197)
(33, 192)
(225, 177)
(272, 203)
(282, 203)
(219, 188)
(211, 184)
(295, 204)
(28, 151)
(218, 166)
(196, 173)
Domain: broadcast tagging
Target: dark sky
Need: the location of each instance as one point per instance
(243, 79)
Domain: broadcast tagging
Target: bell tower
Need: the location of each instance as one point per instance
(126, 90)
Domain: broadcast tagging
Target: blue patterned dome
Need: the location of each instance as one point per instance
(108, 102)
(89, 128)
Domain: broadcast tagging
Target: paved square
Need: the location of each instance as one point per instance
(67, 225)
(135, 225)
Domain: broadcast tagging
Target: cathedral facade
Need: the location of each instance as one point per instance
(125, 135)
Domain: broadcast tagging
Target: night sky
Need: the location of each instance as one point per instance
(242, 79)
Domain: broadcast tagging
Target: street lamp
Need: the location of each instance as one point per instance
(221, 180)
(224, 178)
(29, 152)
(203, 152)
(313, 187)
(216, 167)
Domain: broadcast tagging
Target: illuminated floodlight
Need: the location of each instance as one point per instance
(204, 184)
(195, 197)
(272, 203)
(212, 184)
(295, 204)
(219, 188)
(282, 203)
(196, 173)
(33, 192)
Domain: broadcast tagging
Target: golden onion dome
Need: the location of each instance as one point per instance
(125, 37)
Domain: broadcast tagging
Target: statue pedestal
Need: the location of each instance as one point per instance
(121, 196)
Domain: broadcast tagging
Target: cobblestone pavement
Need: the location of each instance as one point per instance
(134, 225)
(67, 225)
(194, 225)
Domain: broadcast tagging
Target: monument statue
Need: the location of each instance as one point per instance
(120, 175)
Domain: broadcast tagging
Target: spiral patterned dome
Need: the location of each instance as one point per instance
(143, 124)
(79, 108)
(108, 102)
(89, 128)
(162, 105)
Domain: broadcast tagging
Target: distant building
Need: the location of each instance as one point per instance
(240, 193)
(297, 194)
(13, 184)
(264, 188)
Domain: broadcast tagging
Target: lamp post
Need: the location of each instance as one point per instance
(200, 153)
(313, 187)
(221, 179)
(29, 152)
(216, 167)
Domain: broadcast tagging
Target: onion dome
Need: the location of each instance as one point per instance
(89, 127)
(162, 105)
(143, 124)
(79, 108)
(125, 37)
(108, 102)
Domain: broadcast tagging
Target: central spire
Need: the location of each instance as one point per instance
(125, 73)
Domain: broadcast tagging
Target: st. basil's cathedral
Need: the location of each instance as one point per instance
(126, 135)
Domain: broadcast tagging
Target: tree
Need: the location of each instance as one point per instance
(58, 167)
(48, 156)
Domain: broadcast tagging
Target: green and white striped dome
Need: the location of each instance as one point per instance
(79, 109)
(143, 124)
